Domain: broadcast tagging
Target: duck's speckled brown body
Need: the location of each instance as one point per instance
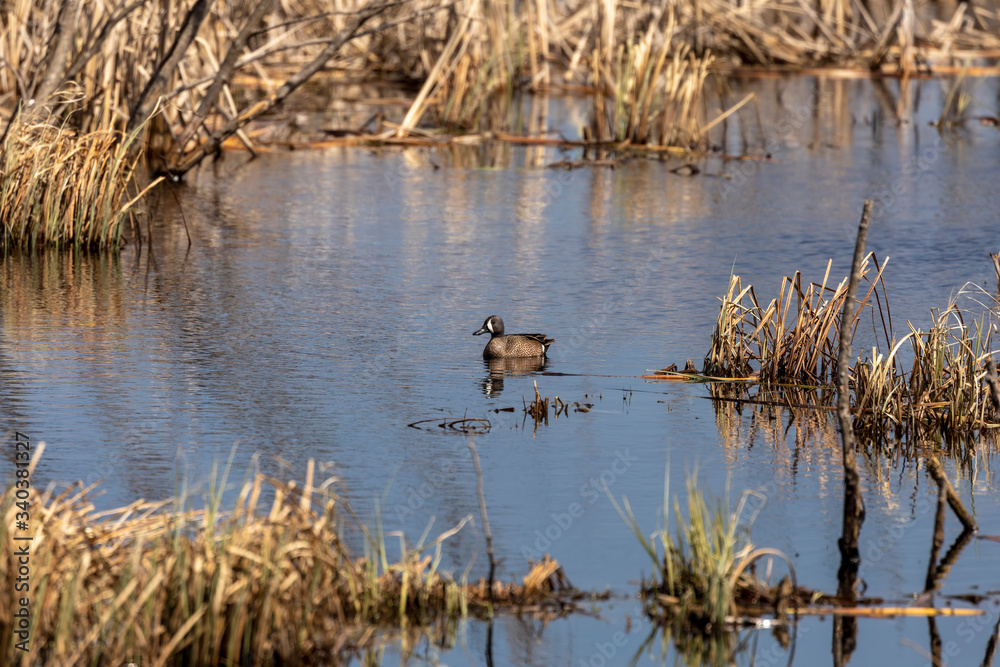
(512, 346)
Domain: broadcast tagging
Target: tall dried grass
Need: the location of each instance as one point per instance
(67, 188)
(655, 96)
(126, 58)
(793, 341)
(942, 392)
(703, 574)
(214, 62)
(214, 67)
(784, 344)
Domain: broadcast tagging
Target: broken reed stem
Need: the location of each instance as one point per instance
(937, 472)
(886, 612)
(996, 267)
(991, 380)
(486, 520)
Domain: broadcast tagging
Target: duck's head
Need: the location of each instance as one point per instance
(492, 325)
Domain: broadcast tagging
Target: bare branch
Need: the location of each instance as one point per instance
(349, 32)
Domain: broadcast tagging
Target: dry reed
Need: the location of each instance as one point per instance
(66, 188)
(224, 62)
(538, 409)
(215, 67)
(704, 575)
(944, 390)
(793, 341)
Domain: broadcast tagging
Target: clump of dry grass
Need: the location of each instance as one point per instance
(147, 585)
(704, 575)
(793, 341)
(66, 188)
(943, 391)
(656, 94)
(782, 344)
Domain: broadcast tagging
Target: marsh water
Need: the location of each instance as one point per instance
(327, 300)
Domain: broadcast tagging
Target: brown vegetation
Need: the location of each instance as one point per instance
(214, 66)
(538, 409)
(149, 584)
(185, 77)
(705, 577)
(793, 341)
(64, 187)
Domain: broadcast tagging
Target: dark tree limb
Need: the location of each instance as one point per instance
(937, 472)
(349, 32)
(147, 100)
(845, 630)
(57, 56)
(854, 509)
(225, 72)
(486, 520)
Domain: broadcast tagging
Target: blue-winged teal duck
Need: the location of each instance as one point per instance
(512, 346)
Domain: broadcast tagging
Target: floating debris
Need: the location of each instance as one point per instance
(463, 425)
(539, 408)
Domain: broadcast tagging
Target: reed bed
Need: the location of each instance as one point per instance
(151, 585)
(793, 341)
(61, 187)
(215, 68)
(942, 392)
(655, 96)
(216, 65)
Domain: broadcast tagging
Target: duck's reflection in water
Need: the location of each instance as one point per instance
(498, 369)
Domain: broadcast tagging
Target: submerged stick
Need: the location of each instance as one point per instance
(937, 539)
(845, 629)
(991, 645)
